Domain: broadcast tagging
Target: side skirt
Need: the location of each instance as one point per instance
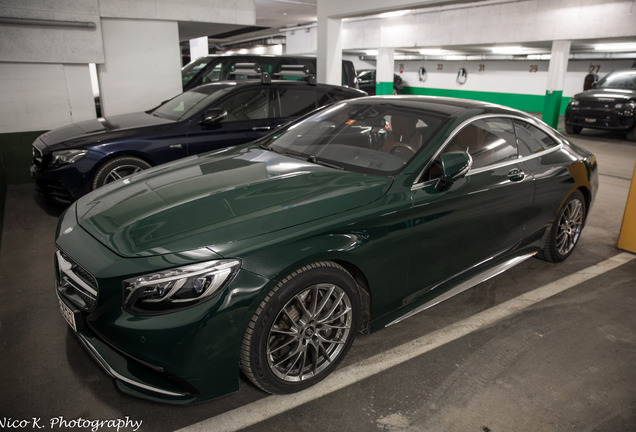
(477, 279)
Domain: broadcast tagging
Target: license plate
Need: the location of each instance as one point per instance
(590, 120)
(68, 314)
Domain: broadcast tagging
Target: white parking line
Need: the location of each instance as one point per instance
(270, 406)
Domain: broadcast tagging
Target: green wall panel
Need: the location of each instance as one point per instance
(523, 102)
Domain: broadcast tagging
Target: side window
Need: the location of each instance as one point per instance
(531, 139)
(215, 74)
(247, 105)
(296, 102)
(489, 141)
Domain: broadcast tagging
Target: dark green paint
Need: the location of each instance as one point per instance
(384, 88)
(405, 244)
(552, 107)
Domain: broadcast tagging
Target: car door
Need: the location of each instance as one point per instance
(479, 217)
(553, 169)
(249, 117)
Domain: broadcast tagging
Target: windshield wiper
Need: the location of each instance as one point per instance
(314, 159)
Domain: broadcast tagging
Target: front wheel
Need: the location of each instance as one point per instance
(564, 234)
(573, 130)
(302, 330)
(117, 168)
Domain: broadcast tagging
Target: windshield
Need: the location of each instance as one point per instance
(378, 138)
(190, 70)
(191, 102)
(619, 79)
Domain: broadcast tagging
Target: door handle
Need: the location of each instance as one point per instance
(257, 128)
(516, 174)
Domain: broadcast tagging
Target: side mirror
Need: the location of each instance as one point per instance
(455, 165)
(213, 115)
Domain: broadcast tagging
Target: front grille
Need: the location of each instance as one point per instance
(74, 283)
(38, 157)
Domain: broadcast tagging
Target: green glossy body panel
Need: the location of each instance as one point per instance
(224, 197)
(405, 241)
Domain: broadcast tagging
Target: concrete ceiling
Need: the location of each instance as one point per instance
(274, 15)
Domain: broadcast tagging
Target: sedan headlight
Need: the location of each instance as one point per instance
(177, 288)
(65, 157)
(574, 102)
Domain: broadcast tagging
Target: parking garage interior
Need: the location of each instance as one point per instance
(543, 346)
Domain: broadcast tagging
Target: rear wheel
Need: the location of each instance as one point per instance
(573, 130)
(564, 234)
(302, 330)
(117, 168)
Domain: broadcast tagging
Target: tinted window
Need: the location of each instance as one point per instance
(296, 102)
(190, 102)
(247, 105)
(489, 141)
(532, 139)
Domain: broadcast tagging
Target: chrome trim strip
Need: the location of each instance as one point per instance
(533, 121)
(110, 371)
(477, 279)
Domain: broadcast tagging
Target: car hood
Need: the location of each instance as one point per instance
(215, 199)
(89, 131)
(609, 94)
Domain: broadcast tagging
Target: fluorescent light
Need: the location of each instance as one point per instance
(539, 56)
(371, 52)
(433, 51)
(394, 13)
(515, 49)
(629, 46)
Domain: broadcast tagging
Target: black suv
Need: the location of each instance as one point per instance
(215, 68)
(610, 104)
(70, 161)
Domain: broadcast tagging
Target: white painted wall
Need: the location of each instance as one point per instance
(516, 77)
(43, 96)
(142, 64)
(44, 70)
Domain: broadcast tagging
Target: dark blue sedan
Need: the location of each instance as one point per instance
(70, 161)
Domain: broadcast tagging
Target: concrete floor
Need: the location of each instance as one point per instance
(566, 363)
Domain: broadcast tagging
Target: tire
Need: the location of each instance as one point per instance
(573, 130)
(565, 232)
(302, 330)
(117, 168)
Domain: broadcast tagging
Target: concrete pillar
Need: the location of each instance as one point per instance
(329, 58)
(199, 48)
(556, 79)
(384, 71)
(142, 64)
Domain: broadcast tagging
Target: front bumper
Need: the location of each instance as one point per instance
(180, 357)
(606, 119)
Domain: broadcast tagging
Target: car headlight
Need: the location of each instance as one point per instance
(574, 102)
(65, 157)
(177, 288)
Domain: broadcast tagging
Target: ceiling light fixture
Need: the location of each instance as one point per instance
(397, 13)
(609, 47)
(433, 51)
(515, 49)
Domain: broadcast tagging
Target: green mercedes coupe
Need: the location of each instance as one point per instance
(268, 258)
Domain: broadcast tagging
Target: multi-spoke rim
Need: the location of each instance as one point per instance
(121, 171)
(569, 228)
(309, 332)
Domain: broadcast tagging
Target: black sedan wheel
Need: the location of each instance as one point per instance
(565, 233)
(118, 168)
(302, 330)
(573, 130)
